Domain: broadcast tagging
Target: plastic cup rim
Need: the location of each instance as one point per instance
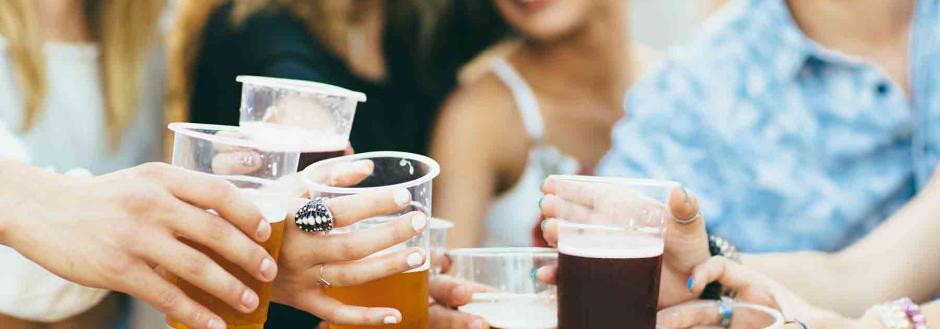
(778, 317)
(435, 169)
(189, 129)
(504, 251)
(302, 85)
(619, 181)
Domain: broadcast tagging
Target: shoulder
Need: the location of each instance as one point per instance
(485, 99)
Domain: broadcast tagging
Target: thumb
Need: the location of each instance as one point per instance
(686, 240)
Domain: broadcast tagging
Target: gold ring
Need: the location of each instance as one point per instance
(323, 283)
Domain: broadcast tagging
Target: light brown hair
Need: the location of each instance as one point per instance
(123, 30)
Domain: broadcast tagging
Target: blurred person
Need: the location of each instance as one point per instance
(80, 87)
(403, 54)
(801, 124)
(545, 107)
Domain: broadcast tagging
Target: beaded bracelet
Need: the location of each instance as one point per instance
(900, 314)
(912, 310)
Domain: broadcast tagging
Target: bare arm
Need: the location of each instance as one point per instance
(462, 145)
(900, 258)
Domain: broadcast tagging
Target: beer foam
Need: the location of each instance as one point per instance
(514, 311)
(628, 246)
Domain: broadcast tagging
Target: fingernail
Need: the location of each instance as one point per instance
(540, 202)
(215, 324)
(402, 197)
(268, 269)
(249, 300)
(415, 259)
(686, 194)
(476, 324)
(264, 231)
(418, 221)
(248, 160)
(534, 274)
(390, 320)
(365, 167)
(691, 283)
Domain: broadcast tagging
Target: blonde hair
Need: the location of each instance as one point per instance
(123, 29)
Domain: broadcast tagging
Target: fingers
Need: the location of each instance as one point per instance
(686, 238)
(448, 291)
(550, 231)
(342, 174)
(731, 275)
(156, 291)
(440, 260)
(372, 268)
(200, 271)
(335, 312)
(547, 274)
(359, 244)
(236, 162)
(444, 318)
(353, 208)
(581, 193)
(214, 233)
(207, 192)
(553, 206)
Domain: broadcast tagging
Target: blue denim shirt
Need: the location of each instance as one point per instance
(788, 145)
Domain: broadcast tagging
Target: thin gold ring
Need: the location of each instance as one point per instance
(795, 321)
(323, 283)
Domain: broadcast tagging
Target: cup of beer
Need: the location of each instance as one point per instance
(439, 228)
(506, 291)
(217, 150)
(408, 291)
(719, 315)
(610, 246)
(319, 114)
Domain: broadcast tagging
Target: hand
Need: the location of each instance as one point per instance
(113, 231)
(755, 288)
(342, 259)
(686, 245)
(448, 293)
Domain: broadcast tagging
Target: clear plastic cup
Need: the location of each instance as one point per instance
(506, 291)
(707, 315)
(407, 292)
(321, 115)
(255, 167)
(610, 246)
(439, 228)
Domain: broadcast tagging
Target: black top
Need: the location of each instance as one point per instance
(399, 112)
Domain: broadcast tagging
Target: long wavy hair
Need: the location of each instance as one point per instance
(123, 30)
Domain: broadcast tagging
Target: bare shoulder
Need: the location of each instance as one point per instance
(484, 103)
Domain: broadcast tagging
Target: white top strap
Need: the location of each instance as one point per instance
(526, 102)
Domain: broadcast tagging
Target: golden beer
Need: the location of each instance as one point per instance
(235, 319)
(406, 292)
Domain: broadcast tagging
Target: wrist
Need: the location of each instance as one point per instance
(24, 200)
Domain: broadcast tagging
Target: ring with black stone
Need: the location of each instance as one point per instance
(314, 216)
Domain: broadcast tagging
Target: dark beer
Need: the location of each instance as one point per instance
(609, 287)
(309, 158)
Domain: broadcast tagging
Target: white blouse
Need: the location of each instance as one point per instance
(70, 131)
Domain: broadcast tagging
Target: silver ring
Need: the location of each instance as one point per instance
(323, 283)
(726, 312)
(795, 321)
(314, 216)
(690, 220)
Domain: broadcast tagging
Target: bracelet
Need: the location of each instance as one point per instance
(899, 314)
(720, 247)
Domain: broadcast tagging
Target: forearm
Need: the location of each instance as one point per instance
(825, 280)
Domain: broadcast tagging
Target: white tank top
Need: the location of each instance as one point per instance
(514, 213)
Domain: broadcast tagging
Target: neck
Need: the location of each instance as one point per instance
(598, 56)
(853, 23)
(62, 20)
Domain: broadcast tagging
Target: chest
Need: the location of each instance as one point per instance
(580, 128)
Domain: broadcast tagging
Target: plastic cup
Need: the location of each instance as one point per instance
(222, 151)
(439, 228)
(610, 246)
(507, 293)
(321, 115)
(407, 292)
(707, 315)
